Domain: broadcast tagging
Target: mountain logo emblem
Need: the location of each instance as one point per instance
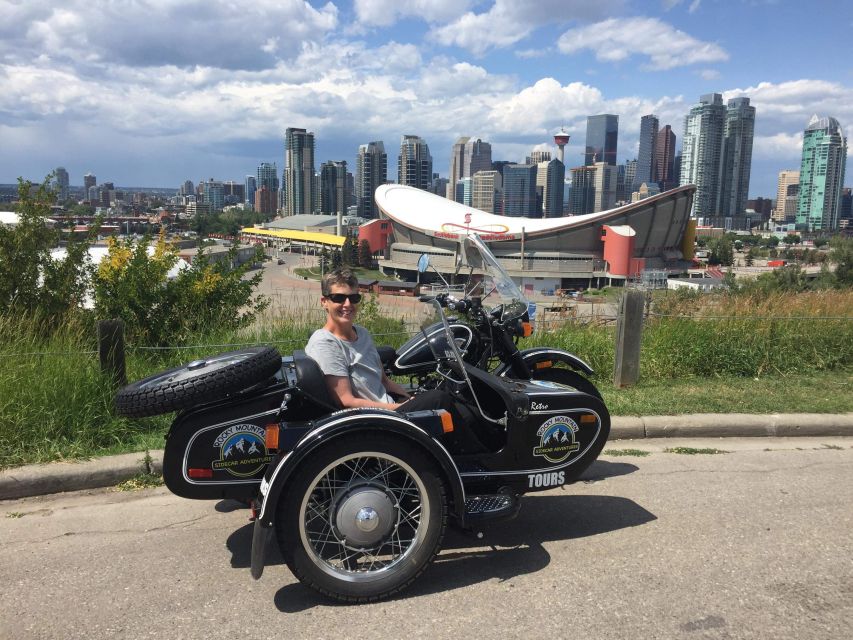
(242, 450)
(556, 439)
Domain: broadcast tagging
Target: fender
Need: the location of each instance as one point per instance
(345, 423)
(543, 354)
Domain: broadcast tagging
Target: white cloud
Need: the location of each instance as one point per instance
(183, 33)
(694, 6)
(613, 40)
(709, 74)
(509, 21)
(384, 13)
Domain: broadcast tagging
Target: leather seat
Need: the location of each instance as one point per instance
(311, 381)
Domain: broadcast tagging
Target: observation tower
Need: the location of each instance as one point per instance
(561, 139)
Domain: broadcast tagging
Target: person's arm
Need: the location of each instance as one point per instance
(341, 390)
(393, 388)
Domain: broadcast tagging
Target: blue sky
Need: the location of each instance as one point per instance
(153, 93)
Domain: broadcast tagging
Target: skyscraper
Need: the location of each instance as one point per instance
(646, 154)
(486, 187)
(664, 172)
(604, 184)
(299, 191)
(414, 165)
(250, 186)
(457, 164)
(602, 132)
(371, 171)
(822, 169)
(89, 180)
(551, 179)
(785, 208)
(736, 157)
(582, 194)
(214, 194)
(61, 183)
(701, 149)
(519, 190)
(478, 157)
(266, 193)
(333, 187)
(537, 156)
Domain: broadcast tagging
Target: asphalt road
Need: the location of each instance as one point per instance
(755, 543)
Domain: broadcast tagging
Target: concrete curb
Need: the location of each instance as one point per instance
(39, 479)
(732, 425)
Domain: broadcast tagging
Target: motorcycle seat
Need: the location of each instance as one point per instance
(311, 381)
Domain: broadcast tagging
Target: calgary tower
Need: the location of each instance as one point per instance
(561, 139)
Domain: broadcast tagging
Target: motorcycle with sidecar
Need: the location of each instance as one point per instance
(358, 500)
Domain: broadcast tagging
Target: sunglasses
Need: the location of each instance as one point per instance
(338, 298)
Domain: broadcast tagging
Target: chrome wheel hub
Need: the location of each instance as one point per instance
(364, 516)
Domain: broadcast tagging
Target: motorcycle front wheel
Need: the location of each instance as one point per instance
(364, 518)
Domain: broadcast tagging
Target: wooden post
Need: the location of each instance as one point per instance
(111, 350)
(629, 332)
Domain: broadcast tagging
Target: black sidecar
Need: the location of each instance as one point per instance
(358, 500)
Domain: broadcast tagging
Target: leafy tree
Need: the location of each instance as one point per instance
(348, 254)
(32, 281)
(750, 257)
(701, 241)
(841, 253)
(365, 257)
(132, 283)
(771, 242)
(820, 242)
(720, 251)
(337, 259)
(325, 260)
(792, 239)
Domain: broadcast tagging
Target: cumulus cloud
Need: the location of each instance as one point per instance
(666, 47)
(183, 33)
(709, 74)
(384, 13)
(509, 21)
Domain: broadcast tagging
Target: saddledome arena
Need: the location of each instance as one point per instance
(653, 236)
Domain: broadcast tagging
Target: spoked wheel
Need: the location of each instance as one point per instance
(364, 518)
(567, 377)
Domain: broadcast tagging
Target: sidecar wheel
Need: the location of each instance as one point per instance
(567, 377)
(200, 381)
(363, 519)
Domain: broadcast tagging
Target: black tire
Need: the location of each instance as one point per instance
(197, 382)
(567, 377)
(353, 483)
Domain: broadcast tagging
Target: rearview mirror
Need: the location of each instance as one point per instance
(423, 263)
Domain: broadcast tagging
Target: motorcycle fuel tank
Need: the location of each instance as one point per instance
(416, 356)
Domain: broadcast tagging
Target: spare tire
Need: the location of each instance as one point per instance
(197, 382)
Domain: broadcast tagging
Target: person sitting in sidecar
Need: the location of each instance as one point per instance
(350, 362)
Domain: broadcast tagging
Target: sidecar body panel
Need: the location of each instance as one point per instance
(561, 430)
(218, 450)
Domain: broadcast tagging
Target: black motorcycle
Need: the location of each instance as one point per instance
(486, 334)
(358, 500)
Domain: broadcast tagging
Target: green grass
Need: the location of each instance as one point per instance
(360, 272)
(691, 451)
(815, 392)
(638, 453)
(141, 481)
(55, 404)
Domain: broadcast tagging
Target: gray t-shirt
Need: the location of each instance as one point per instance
(358, 360)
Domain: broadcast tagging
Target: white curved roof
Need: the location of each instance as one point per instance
(439, 217)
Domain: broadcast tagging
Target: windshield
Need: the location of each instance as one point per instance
(489, 280)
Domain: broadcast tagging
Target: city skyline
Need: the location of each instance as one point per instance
(161, 105)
